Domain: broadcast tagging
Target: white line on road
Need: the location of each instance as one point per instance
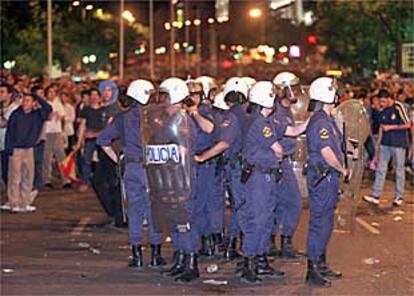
(80, 226)
(367, 226)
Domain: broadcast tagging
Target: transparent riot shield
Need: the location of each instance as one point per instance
(300, 114)
(353, 121)
(167, 159)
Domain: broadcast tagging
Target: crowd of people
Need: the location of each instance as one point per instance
(44, 121)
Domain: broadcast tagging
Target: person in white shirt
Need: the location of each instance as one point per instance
(70, 117)
(54, 144)
(7, 106)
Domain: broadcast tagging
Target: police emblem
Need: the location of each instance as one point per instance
(324, 134)
(267, 132)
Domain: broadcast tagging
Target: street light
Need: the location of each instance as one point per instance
(126, 14)
(89, 7)
(197, 22)
(76, 3)
(255, 12)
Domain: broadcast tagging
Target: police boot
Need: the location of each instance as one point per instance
(287, 250)
(156, 259)
(249, 275)
(314, 277)
(178, 267)
(231, 253)
(190, 270)
(136, 260)
(218, 243)
(273, 251)
(264, 269)
(325, 270)
(207, 248)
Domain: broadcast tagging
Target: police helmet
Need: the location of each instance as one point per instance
(140, 90)
(176, 89)
(262, 94)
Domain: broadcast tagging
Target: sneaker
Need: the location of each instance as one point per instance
(5, 207)
(34, 194)
(30, 209)
(398, 202)
(18, 209)
(371, 199)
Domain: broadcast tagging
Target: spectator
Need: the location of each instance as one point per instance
(39, 150)
(7, 106)
(24, 127)
(93, 121)
(54, 139)
(391, 144)
(69, 121)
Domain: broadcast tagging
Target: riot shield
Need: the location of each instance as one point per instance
(352, 119)
(167, 159)
(300, 114)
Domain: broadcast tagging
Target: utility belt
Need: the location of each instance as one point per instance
(248, 169)
(321, 172)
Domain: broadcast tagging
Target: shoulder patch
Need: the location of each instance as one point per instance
(324, 134)
(267, 132)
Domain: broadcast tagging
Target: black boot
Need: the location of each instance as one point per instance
(178, 266)
(231, 253)
(249, 275)
(218, 243)
(287, 250)
(264, 269)
(136, 260)
(207, 248)
(191, 269)
(325, 270)
(314, 277)
(156, 259)
(273, 251)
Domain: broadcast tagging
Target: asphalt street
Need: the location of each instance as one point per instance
(66, 248)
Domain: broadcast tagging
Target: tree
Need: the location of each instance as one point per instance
(73, 36)
(364, 33)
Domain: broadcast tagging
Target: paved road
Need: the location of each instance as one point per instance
(63, 248)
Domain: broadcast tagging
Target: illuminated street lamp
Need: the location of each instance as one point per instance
(255, 12)
(211, 20)
(188, 23)
(197, 22)
(167, 26)
(126, 14)
(89, 7)
(76, 3)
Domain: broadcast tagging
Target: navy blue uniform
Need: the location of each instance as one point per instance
(205, 177)
(233, 128)
(257, 214)
(127, 126)
(322, 132)
(289, 205)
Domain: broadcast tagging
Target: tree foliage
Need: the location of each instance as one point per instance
(74, 35)
(365, 32)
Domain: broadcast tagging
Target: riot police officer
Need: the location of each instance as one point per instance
(127, 127)
(325, 166)
(288, 194)
(230, 143)
(184, 236)
(263, 154)
(200, 110)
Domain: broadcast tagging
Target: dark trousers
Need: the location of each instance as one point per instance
(38, 161)
(4, 166)
(106, 184)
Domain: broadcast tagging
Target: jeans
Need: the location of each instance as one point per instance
(386, 154)
(88, 150)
